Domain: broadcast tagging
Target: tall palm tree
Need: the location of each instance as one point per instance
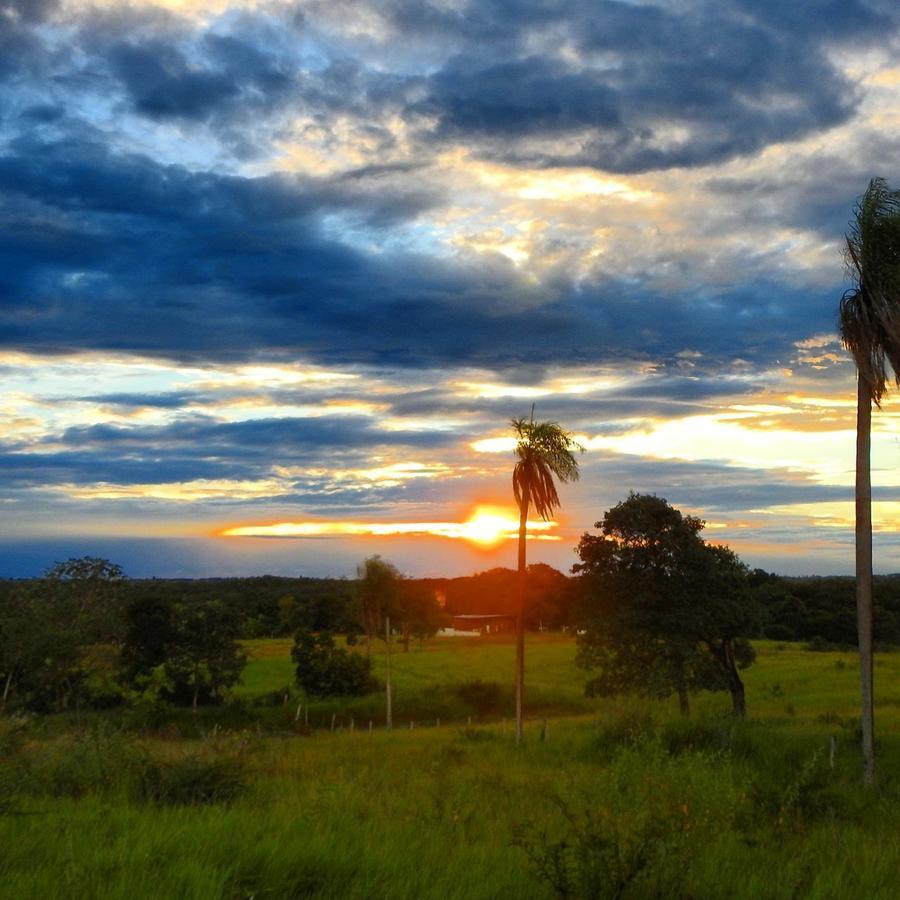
(870, 330)
(543, 450)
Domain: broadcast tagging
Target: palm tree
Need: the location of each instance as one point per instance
(543, 450)
(870, 330)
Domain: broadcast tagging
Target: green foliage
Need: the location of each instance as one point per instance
(433, 812)
(544, 451)
(662, 612)
(485, 697)
(184, 652)
(324, 670)
(191, 780)
(868, 311)
(379, 587)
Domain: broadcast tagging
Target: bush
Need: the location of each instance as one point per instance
(191, 781)
(776, 631)
(324, 670)
(98, 762)
(620, 732)
(485, 697)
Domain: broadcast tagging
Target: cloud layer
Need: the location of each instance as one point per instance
(260, 259)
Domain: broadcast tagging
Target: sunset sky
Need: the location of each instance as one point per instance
(275, 276)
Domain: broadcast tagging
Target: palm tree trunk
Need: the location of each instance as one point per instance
(864, 572)
(520, 626)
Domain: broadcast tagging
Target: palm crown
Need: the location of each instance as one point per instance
(544, 450)
(870, 312)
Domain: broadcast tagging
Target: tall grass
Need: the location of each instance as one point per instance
(627, 800)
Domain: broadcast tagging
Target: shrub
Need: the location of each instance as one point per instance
(191, 781)
(98, 762)
(620, 732)
(485, 697)
(324, 670)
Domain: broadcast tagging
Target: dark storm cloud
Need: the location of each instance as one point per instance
(641, 86)
(620, 86)
(170, 400)
(290, 437)
(82, 467)
(105, 251)
(100, 249)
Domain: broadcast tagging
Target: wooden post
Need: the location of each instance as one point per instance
(387, 686)
(333, 717)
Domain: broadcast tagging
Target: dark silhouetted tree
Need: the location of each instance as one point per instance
(661, 611)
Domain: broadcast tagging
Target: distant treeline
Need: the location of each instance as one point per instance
(822, 610)
(811, 609)
(275, 606)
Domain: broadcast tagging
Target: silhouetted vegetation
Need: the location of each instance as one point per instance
(662, 612)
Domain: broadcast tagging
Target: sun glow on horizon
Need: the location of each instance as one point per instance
(486, 527)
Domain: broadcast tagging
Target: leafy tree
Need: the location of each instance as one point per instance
(870, 330)
(378, 590)
(662, 612)
(92, 588)
(548, 597)
(150, 636)
(543, 451)
(415, 611)
(52, 632)
(187, 649)
(324, 670)
(204, 656)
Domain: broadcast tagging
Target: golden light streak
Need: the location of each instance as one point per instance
(486, 527)
(494, 445)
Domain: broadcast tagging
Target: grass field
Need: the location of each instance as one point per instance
(612, 798)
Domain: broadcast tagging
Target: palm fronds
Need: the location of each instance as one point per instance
(870, 310)
(544, 451)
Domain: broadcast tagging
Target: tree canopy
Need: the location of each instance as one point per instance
(661, 612)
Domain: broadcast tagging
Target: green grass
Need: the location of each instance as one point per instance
(623, 790)
(423, 678)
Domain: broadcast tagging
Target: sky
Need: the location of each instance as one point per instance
(275, 276)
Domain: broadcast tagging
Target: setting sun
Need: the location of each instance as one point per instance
(486, 527)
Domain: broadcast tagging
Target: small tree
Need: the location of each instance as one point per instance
(378, 590)
(661, 611)
(324, 670)
(203, 657)
(149, 639)
(415, 611)
(52, 631)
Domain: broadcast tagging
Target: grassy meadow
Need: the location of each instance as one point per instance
(612, 798)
